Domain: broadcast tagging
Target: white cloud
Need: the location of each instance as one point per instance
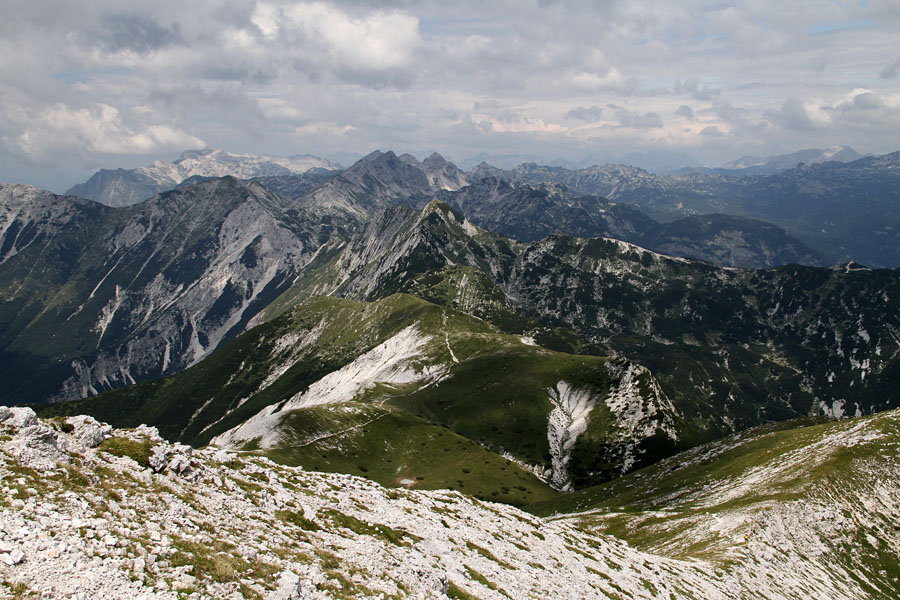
(99, 129)
(325, 76)
(279, 109)
(515, 122)
(377, 41)
(610, 80)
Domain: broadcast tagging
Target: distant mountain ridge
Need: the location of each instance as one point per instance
(769, 165)
(530, 212)
(121, 187)
(845, 211)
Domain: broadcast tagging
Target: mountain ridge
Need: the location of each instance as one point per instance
(124, 187)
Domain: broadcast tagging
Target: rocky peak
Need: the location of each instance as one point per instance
(409, 159)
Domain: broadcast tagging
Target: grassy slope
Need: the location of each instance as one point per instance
(819, 491)
(396, 448)
(495, 399)
(227, 384)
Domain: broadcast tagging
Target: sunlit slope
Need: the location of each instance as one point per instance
(813, 507)
(410, 393)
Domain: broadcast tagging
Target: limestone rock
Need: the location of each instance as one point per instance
(37, 445)
(87, 432)
(19, 417)
(175, 458)
(289, 588)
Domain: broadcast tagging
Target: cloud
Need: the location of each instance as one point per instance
(376, 42)
(712, 131)
(636, 120)
(692, 88)
(515, 122)
(867, 100)
(610, 80)
(325, 76)
(890, 71)
(136, 33)
(800, 116)
(591, 114)
(685, 111)
(99, 129)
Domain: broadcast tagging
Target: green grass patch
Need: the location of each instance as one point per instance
(476, 576)
(384, 533)
(488, 555)
(298, 519)
(138, 451)
(400, 449)
(457, 593)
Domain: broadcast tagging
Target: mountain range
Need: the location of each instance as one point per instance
(376, 358)
(706, 350)
(814, 206)
(843, 211)
(769, 165)
(121, 187)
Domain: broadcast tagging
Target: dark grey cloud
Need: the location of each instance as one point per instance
(591, 114)
(136, 33)
(797, 115)
(692, 88)
(868, 101)
(890, 71)
(685, 111)
(636, 120)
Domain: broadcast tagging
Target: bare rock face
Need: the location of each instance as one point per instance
(139, 304)
(33, 444)
(289, 588)
(86, 432)
(175, 458)
(44, 444)
(17, 417)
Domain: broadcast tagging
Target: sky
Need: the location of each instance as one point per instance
(108, 83)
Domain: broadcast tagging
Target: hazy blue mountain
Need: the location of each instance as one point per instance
(769, 165)
(843, 211)
(529, 213)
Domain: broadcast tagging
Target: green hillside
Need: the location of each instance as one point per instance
(821, 493)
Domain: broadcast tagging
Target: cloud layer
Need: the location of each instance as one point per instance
(102, 83)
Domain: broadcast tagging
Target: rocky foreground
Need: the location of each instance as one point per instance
(87, 511)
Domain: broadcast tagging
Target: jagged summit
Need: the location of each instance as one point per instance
(144, 290)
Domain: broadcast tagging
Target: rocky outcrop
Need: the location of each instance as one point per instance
(108, 524)
(568, 420)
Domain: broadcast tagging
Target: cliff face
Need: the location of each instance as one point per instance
(126, 294)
